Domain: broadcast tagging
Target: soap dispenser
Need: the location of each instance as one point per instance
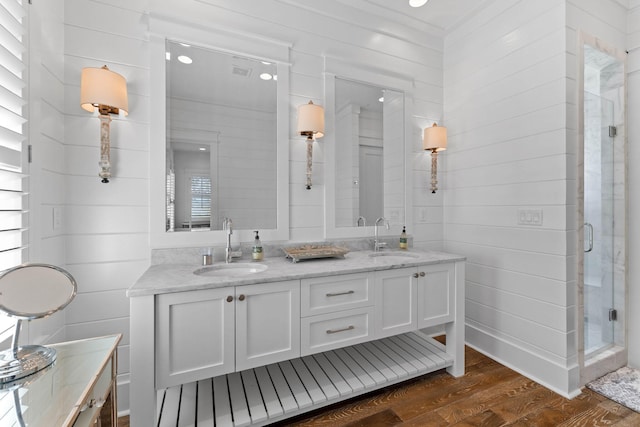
(257, 253)
(403, 238)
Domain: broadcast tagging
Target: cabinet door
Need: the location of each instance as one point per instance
(194, 337)
(436, 292)
(395, 301)
(267, 323)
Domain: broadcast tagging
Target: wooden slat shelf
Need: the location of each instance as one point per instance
(267, 394)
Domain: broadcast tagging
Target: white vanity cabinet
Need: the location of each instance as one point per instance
(307, 335)
(396, 301)
(267, 323)
(414, 298)
(206, 333)
(337, 311)
(436, 294)
(195, 335)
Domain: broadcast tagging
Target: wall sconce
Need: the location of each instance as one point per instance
(102, 89)
(435, 139)
(311, 125)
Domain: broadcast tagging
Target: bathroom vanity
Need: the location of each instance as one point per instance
(251, 344)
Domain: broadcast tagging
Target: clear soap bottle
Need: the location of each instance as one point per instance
(257, 253)
(403, 239)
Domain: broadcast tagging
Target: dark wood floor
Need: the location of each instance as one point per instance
(489, 394)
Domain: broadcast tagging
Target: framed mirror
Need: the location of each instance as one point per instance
(369, 153)
(220, 134)
(221, 140)
(366, 155)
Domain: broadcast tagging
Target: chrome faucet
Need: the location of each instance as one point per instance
(364, 221)
(227, 224)
(377, 245)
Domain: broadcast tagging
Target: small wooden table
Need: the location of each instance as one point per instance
(77, 390)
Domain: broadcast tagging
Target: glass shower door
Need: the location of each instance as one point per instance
(598, 222)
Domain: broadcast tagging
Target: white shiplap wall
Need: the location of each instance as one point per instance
(107, 243)
(46, 135)
(107, 240)
(507, 88)
(506, 107)
(510, 98)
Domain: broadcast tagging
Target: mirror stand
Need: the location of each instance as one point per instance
(20, 362)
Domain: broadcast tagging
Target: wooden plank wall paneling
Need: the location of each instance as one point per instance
(106, 226)
(510, 105)
(495, 66)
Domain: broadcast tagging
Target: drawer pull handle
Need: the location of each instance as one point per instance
(229, 298)
(335, 294)
(335, 331)
(416, 275)
(241, 297)
(422, 274)
(93, 403)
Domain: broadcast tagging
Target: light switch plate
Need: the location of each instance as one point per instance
(530, 216)
(57, 217)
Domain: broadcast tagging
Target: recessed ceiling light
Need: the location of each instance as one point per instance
(266, 62)
(202, 149)
(275, 77)
(185, 45)
(185, 59)
(417, 3)
(168, 56)
(381, 99)
(266, 76)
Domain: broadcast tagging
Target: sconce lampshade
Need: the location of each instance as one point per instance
(311, 120)
(435, 138)
(101, 87)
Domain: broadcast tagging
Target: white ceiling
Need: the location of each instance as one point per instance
(440, 14)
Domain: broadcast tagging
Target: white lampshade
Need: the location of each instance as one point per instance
(101, 86)
(311, 119)
(435, 138)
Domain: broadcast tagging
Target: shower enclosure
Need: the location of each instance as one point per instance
(603, 257)
(599, 301)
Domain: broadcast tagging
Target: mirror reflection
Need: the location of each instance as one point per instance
(221, 140)
(369, 126)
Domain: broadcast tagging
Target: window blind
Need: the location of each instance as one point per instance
(12, 138)
(200, 197)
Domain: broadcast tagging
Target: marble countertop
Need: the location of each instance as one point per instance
(168, 278)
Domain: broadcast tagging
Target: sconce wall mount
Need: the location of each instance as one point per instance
(435, 140)
(105, 91)
(311, 125)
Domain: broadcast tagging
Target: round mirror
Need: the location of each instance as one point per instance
(33, 291)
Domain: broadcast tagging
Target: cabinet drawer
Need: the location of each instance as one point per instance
(90, 410)
(321, 295)
(334, 330)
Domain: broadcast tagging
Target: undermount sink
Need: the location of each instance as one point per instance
(231, 270)
(396, 254)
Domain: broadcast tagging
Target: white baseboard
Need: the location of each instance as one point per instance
(560, 379)
(123, 395)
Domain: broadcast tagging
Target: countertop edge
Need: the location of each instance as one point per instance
(180, 277)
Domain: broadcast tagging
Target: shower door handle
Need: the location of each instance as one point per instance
(589, 227)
